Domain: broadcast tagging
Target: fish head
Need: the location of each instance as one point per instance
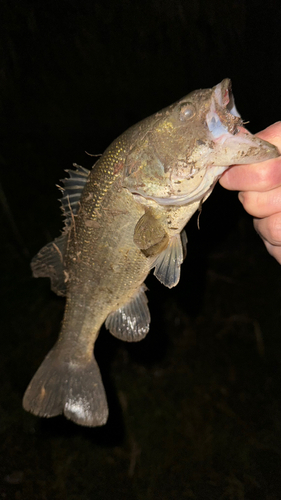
(179, 153)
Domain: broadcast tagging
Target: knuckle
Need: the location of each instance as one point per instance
(269, 229)
(267, 176)
(250, 201)
(277, 127)
(274, 229)
(258, 228)
(274, 251)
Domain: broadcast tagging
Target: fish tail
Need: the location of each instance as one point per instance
(72, 388)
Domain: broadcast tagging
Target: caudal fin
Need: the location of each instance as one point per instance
(67, 387)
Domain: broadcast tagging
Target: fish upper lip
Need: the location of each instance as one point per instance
(223, 117)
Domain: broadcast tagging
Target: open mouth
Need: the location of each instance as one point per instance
(223, 117)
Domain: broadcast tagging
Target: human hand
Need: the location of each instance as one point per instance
(260, 192)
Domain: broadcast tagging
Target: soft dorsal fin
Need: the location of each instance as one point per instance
(48, 263)
(130, 322)
(168, 262)
(72, 189)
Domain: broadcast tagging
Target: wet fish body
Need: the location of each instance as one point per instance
(122, 219)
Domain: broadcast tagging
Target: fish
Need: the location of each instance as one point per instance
(123, 219)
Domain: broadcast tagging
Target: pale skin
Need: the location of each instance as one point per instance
(259, 186)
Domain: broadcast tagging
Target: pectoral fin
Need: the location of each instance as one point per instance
(150, 236)
(184, 243)
(167, 265)
(130, 322)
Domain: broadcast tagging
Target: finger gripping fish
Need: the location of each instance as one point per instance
(122, 219)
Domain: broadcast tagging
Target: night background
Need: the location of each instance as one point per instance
(195, 408)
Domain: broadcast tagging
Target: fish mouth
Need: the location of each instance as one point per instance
(223, 117)
(224, 96)
(228, 133)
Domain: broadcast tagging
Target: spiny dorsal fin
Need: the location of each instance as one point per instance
(168, 263)
(72, 189)
(130, 322)
(48, 263)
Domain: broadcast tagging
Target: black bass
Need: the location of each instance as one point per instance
(122, 219)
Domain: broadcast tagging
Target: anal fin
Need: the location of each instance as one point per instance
(130, 322)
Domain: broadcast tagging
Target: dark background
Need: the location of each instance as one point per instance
(195, 407)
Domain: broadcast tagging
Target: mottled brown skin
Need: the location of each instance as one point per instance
(105, 267)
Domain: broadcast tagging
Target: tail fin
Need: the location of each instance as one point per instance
(70, 388)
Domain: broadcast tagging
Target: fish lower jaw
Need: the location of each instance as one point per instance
(209, 179)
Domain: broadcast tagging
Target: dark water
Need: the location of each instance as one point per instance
(194, 408)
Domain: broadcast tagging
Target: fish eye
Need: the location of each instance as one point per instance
(186, 111)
